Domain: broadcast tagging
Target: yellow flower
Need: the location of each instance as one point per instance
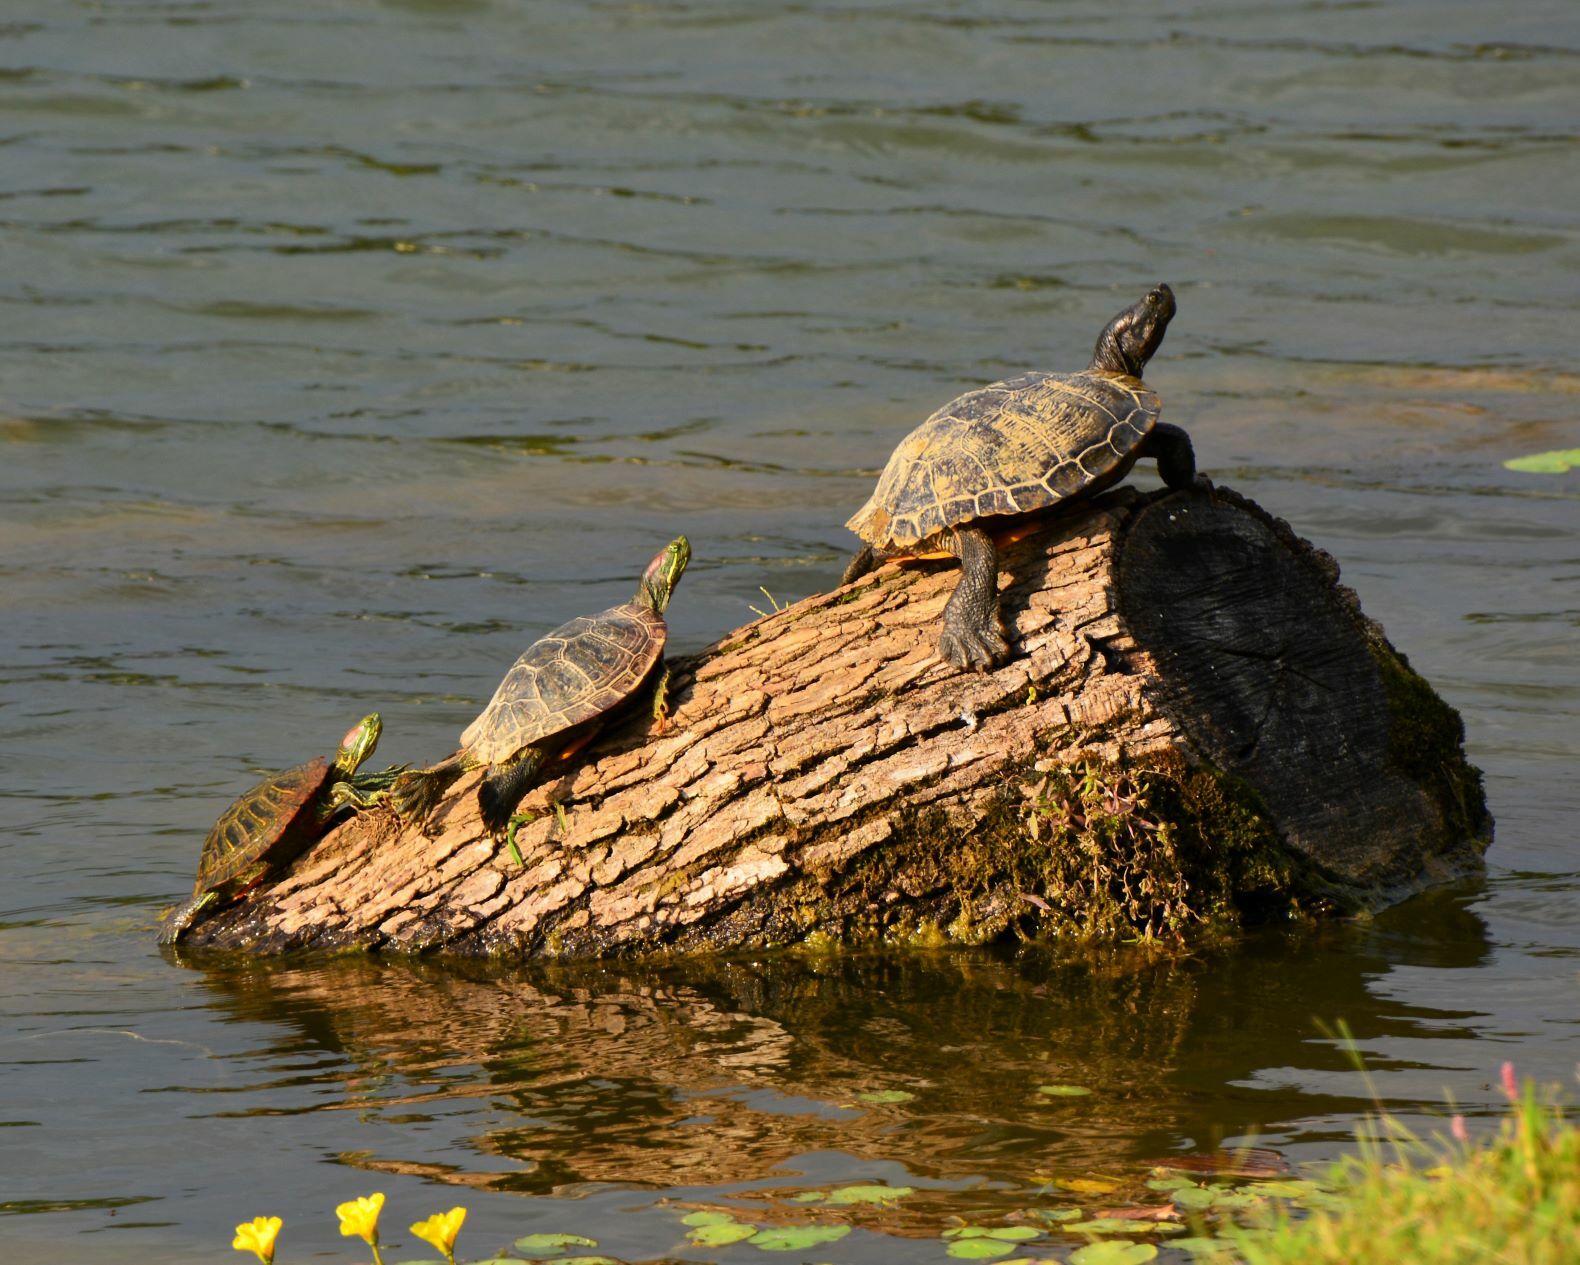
(360, 1218)
(258, 1236)
(441, 1229)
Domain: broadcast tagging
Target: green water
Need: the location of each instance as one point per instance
(347, 346)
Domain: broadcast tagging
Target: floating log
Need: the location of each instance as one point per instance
(1199, 728)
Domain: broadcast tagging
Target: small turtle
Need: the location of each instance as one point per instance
(273, 823)
(1014, 449)
(555, 697)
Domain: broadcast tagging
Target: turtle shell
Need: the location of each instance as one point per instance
(267, 824)
(577, 672)
(1014, 447)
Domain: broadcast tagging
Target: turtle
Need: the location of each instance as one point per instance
(273, 823)
(555, 697)
(1014, 449)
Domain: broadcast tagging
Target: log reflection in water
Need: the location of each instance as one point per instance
(708, 1073)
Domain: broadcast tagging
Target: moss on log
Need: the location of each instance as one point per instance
(1199, 728)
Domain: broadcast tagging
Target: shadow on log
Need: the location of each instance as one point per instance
(1199, 728)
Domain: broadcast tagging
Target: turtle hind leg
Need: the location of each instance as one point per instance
(661, 709)
(416, 793)
(973, 637)
(865, 560)
(1170, 446)
(503, 787)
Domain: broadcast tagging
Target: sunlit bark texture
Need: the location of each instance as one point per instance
(1199, 727)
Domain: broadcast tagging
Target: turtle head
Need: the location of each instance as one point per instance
(358, 744)
(1129, 340)
(663, 573)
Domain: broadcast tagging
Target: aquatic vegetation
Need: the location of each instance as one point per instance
(846, 1195)
(1113, 1253)
(359, 1218)
(440, 1230)
(716, 1229)
(878, 1097)
(1123, 1225)
(257, 1236)
(794, 1238)
(1555, 462)
(984, 1243)
(535, 1244)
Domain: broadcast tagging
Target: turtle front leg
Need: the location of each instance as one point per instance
(179, 921)
(362, 791)
(973, 636)
(350, 795)
(1171, 448)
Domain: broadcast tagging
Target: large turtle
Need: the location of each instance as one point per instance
(273, 823)
(1013, 449)
(555, 697)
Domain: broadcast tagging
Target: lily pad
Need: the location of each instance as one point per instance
(1064, 1091)
(1122, 1225)
(707, 1216)
(793, 1238)
(880, 1096)
(1003, 1233)
(1555, 462)
(1113, 1254)
(1297, 1189)
(869, 1194)
(722, 1234)
(1194, 1196)
(1199, 1245)
(979, 1249)
(541, 1243)
(1057, 1214)
(585, 1260)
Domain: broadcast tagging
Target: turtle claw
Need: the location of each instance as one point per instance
(973, 650)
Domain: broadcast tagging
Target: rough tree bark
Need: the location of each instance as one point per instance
(1199, 726)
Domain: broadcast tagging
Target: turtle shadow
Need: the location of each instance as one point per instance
(630, 731)
(1026, 561)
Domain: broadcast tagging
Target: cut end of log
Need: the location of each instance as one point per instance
(1280, 681)
(1199, 729)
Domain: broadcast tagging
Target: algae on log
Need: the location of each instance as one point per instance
(1199, 726)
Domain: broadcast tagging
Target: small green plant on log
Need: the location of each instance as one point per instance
(1150, 853)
